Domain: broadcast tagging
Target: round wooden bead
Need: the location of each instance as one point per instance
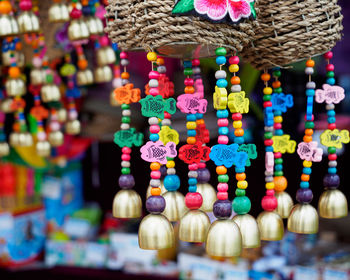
(151, 56)
(280, 183)
(193, 200)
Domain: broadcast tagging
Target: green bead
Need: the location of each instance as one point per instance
(49, 79)
(125, 106)
(268, 135)
(279, 161)
(223, 178)
(267, 97)
(278, 173)
(188, 72)
(240, 192)
(125, 170)
(309, 124)
(220, 51)
(330, 74)
(278, 90)
(332, 150)
(277, 73)
(241, 205)
(125, 119)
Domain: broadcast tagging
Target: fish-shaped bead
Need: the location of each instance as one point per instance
(158, 152)
(167, 134)
(220, 98)
(309, 151)
(283, 144)
(238, 103)
(154, 106)
(228, 155)
(329, 94)
(191, 103)
(281, 101)
(128, 138)
(194, 153)
(335, 138)
(127, 94)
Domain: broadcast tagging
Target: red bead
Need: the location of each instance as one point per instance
(222, 195)
(270, 192)
(233, 60)
(153, 75)
(268, 142)
(330, 67)
(278, 155)
(193, 200)
(269, 203)
(277, 125)
(237, 116)
(75, 13)
(193, 166)
(332, 126)
(126, 150)
(328, 55)
(189, 82)
(25, 5)
(104, 41)
(201, 165)
(123, 55)
(312, 118)
(196, 62)
(126, 157)
(267, 104)
(167, 115)
(332, 157)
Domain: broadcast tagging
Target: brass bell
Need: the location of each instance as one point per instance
(18, 56)
(62, 115)
(73, 127)
(56, 138)
(303, 219)
(21, 139)
(333, 204)
(103, 74)
(85, 77)
(249, 230)
(43, 148)
(78, 30)
(15, 87)
(50, 93)
(194, 226)
(58, 12)
(209, 196)
(37, 76)
(127, 204)
(224, 239)
(270, 226)
(5, 105)
(28, 22)
(284, 204)
(105, 56)
(175, 206)
(95, 25)
(8, 26)
(156, 232)
(162, 190)
(4, 149)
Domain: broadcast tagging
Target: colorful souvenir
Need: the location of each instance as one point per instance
(154, 106)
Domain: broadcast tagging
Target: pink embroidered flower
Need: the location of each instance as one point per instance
(218, 9)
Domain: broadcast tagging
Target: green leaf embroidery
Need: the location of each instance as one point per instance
(252, 8)
(183, 6)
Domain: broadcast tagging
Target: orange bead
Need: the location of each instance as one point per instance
(307, 138)
(5, 7)
(155, 191)
(280, 183)
(191, 140)
(309, 132)
(18, 46)
(82, 64)
(16, 127)
(240, 176)
(155, 166)
(265, 77)
(235, 80)
(239, 132)
(14, 72)
(276, 84)
(310, 63)
(305, 177)
(160, 61)
(201, 121)
(125, 75)
(189, 89)
(221, 170)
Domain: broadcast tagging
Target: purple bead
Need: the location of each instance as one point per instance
(203, 175)
(126, 181)
(304, 195)
(163, 171)
(222, 209)
(155, 204)
(331, 181)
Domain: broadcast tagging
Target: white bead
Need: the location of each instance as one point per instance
(154, 183)
(125, 163)
(311, 85)
(171, 171)
(153, 83)
(193, 174)
(126, 113)
(268, 173)
(309, 70)
(269, 179)
(268, 128)
(332, 163)
(124, 62)
(161, 69)
(153, 121)
(124, 126)
(330, 107)
(124, 82)
(196, 70)
(166, 122)
(220, 74)
(236, 88)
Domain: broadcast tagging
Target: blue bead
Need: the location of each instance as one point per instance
(199, 116)
(332, 170)
(191, 132)
(278, 167)
(330, 81)
(223, 130)
(269, 149)
(277, 113)
(192, 188)
(221, 83)
(310, 92)
(191, 117)
(220, 60)
(154, 137)
(239, 169)
(307, 170)
(279, 132)
(304, 185)
(172, 182)
(187, 64)
(222, 114)
(239, 140)
(331, 113)
(331, 120)
(192, 181)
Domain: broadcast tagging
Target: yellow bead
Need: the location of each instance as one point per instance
(151, 56)
(237, 124)
(191, 125)
(267, 90)
(242, 184)
(233, 68)
(270, 185)
(278, 119)
(307, 163)
(170, 164)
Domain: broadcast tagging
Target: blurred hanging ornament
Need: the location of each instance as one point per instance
(103, 74)
(84, 75)
(77, 29)
(105, 54)
(8, 23)
(19, 56)
(58, 13)
(28, 22)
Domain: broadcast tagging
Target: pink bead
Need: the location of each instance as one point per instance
(126, 150)
(330, 67)
(234, 59)
(41, 136)
(167, 115)
(196, 62)
(269, 203)
(223, 139)
(153, 75)
(328, 55)
(154, 128)
(201, 165)
(153, 91)
(270, 192)
(222, 187)
(222, 122)
(193, 166)
(25, 5)
(70, 84)
(72, 115)
(189, 82)
(277, 155)
(123, 55)
(222, 195)
(54, 126)
(37, 62)
(155, 174)
(332, 126)
(277, 125)
(193, 200)
(104, 41)
(126, 157)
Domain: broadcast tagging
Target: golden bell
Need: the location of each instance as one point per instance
(8, 26)
(15, 87)
(50, 93)
(284, 204)
(28, 22)
(333, 204)
(162, 190)
(249, 230)
(43, 148)
(5, 105)
(156, 232)
(73, 127)
(127, 204)
(303, 219)
(270, 226)
(95, 25)
(18, 56)
(105, 56)
(85, 77)
(21, 139)
(56, 138)
(103, 74)
(209, 196)
(37, 76)
(224, 239)
(175, 207)
(58, 12)
(78, 30)
(194, 226)
(62, 115)
(4, 149)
